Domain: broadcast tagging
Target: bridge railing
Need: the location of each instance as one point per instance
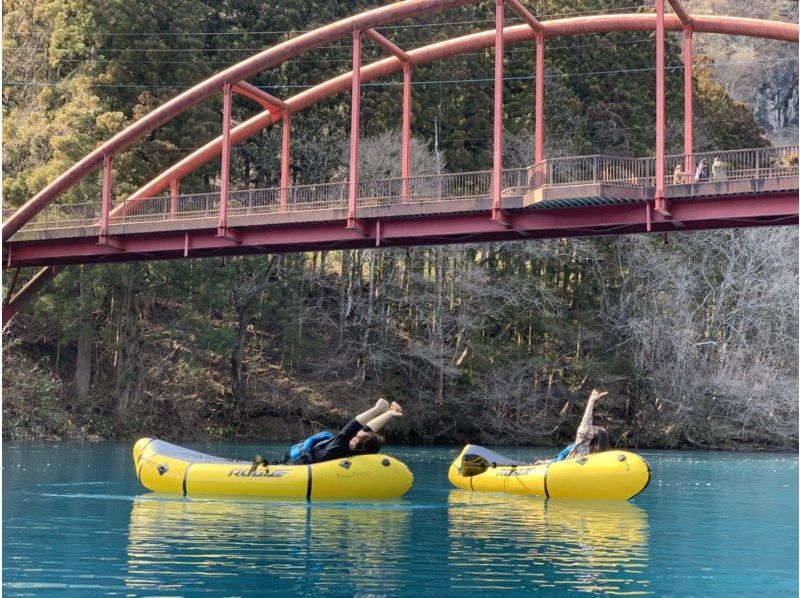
(193, 205)
(516, 181)
(732, 165)
(618, 170)
(62, 216)
(425, 188)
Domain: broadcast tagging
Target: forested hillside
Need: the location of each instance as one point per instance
(695, 338)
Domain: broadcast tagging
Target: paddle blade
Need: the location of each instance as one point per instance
(473, 465)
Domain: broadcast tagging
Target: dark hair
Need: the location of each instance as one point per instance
(599, 442)
(368, 443)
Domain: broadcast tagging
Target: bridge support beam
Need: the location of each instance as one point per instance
(660, 201)
(174, 191)
(285, 143)
(497, 137)
(538, 151)
(405, 164)
(106, 202)
(688, 109)
(29, 291)
(222, 228)
(355, 125)
(12, 287)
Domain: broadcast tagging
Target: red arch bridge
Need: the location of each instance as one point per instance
(554, 197)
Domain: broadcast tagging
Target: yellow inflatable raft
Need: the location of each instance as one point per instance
(164, 467)
(614, 475)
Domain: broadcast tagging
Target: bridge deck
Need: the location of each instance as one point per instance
(561, 197)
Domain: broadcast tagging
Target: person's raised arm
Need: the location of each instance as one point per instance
(380, 407)
(377, 423)
(586, 422)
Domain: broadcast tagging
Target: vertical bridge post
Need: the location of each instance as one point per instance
(538, 152)
(688, 110)
(405, 164)
(660, 203)
(174, 191)
(106, 202)
(352, 195)
(222, 229)
(285, 141)
(497, 137)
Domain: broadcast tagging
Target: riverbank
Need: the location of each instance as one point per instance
(37, 406)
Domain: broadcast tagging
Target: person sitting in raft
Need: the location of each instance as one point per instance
(589, 438)
(359, 437)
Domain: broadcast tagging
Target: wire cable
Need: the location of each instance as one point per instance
(429, 82)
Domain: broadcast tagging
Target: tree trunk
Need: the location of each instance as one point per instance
(370, 256)
(345, 299)
(438, 339)
(125, 344)
(83, 364)
(238, 385)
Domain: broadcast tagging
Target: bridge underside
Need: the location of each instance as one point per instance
(455, 221)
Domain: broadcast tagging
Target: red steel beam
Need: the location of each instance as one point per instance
(285, 146)
(688, 108)
(31, 288)
(387, 45)
(405, 149)
(453, 47)
(660, 105)
(11, 287)
(106, 201)
(222, 229)
(355, 125)
(525, 15)
(270, 102)
(174, 191)
(682, 13)
(497, 134)
(539, 131)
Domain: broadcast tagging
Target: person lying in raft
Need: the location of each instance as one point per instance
(589, 438)
(359, 437)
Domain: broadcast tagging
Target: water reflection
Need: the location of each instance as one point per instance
(269, 546)
(513, 542)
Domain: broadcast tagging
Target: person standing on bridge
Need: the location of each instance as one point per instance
(359, 437)
(718, 172)
(701, 174)
(677, 175)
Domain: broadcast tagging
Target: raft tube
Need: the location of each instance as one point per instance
(164, 467)
(610, 475)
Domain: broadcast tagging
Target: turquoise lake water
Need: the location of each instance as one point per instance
(76, 522)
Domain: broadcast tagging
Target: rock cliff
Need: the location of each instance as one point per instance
(760, 73)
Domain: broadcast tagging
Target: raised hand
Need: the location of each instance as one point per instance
(596, 394)
(396, 410)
